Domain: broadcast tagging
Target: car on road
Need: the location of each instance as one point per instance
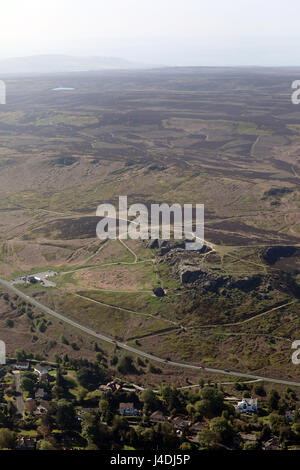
(97, 332)
(226, 370)
(166, 360)
(114, 341)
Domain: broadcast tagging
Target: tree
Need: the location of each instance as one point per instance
(166, 437)
(64, 340)
(126, 365)
(97, 434)
(104, 408)
(28, 385)
(251, 445)
(151, 402)
(46, 445)
(259, 390)
(44, 430)
(273, 399)
(285, 433)
(65, 416)
(186, 446)
(7, 439)
(20, 355)
(276, 422)
(208, 439)
(190, 409)
(90, 377)
(172, 398)
(223, 428)
(211, 402)
(114, 360)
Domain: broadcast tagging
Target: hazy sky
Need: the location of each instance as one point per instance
(171, 32)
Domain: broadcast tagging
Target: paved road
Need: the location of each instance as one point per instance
(65, 319)
(19, 397)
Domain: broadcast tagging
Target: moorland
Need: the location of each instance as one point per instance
(226, 138)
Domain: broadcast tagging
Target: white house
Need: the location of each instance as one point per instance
(22, 366)
(41, 370)
(247, 405)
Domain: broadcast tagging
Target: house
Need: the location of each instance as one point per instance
(197, 427)
(41, 371)
(87, 410)
(30, 405)
(40, 393)
(248, 437)
(4, 386)
(22, 366)
(128, 409)
(43, 407)
(180, 423)
(110, 387)
(290, 415)
(158, 417)
(272, 444)
(26, 443)
(247, 405)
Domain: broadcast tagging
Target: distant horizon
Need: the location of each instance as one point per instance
(17, 60)
(171, 33)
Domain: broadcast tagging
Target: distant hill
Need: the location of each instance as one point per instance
(64, 63)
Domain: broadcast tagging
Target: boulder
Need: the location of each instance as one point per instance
(158, 291)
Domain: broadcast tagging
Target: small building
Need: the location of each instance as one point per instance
(26, 443)
(180, 423)
(82, 411)
(247, 405)
(197, 427)
(42, 371)
(30, 405)
(128, 409)
(248, 437)
(110, 387)
(43, 408)
(290, 415)
(22, 366)
(272, 444)
(158, 417)
(40, 393)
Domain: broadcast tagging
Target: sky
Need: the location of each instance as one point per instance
(166, 32)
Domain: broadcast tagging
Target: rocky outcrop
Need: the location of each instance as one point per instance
(169, 245)
(247, 284)
(189, 274)
(211, 281)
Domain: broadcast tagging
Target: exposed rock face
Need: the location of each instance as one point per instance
(159, 292)
(273, 253)
(167, 246)
(189, 274)
(153, 244)
(211, 281)
(247, 284)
